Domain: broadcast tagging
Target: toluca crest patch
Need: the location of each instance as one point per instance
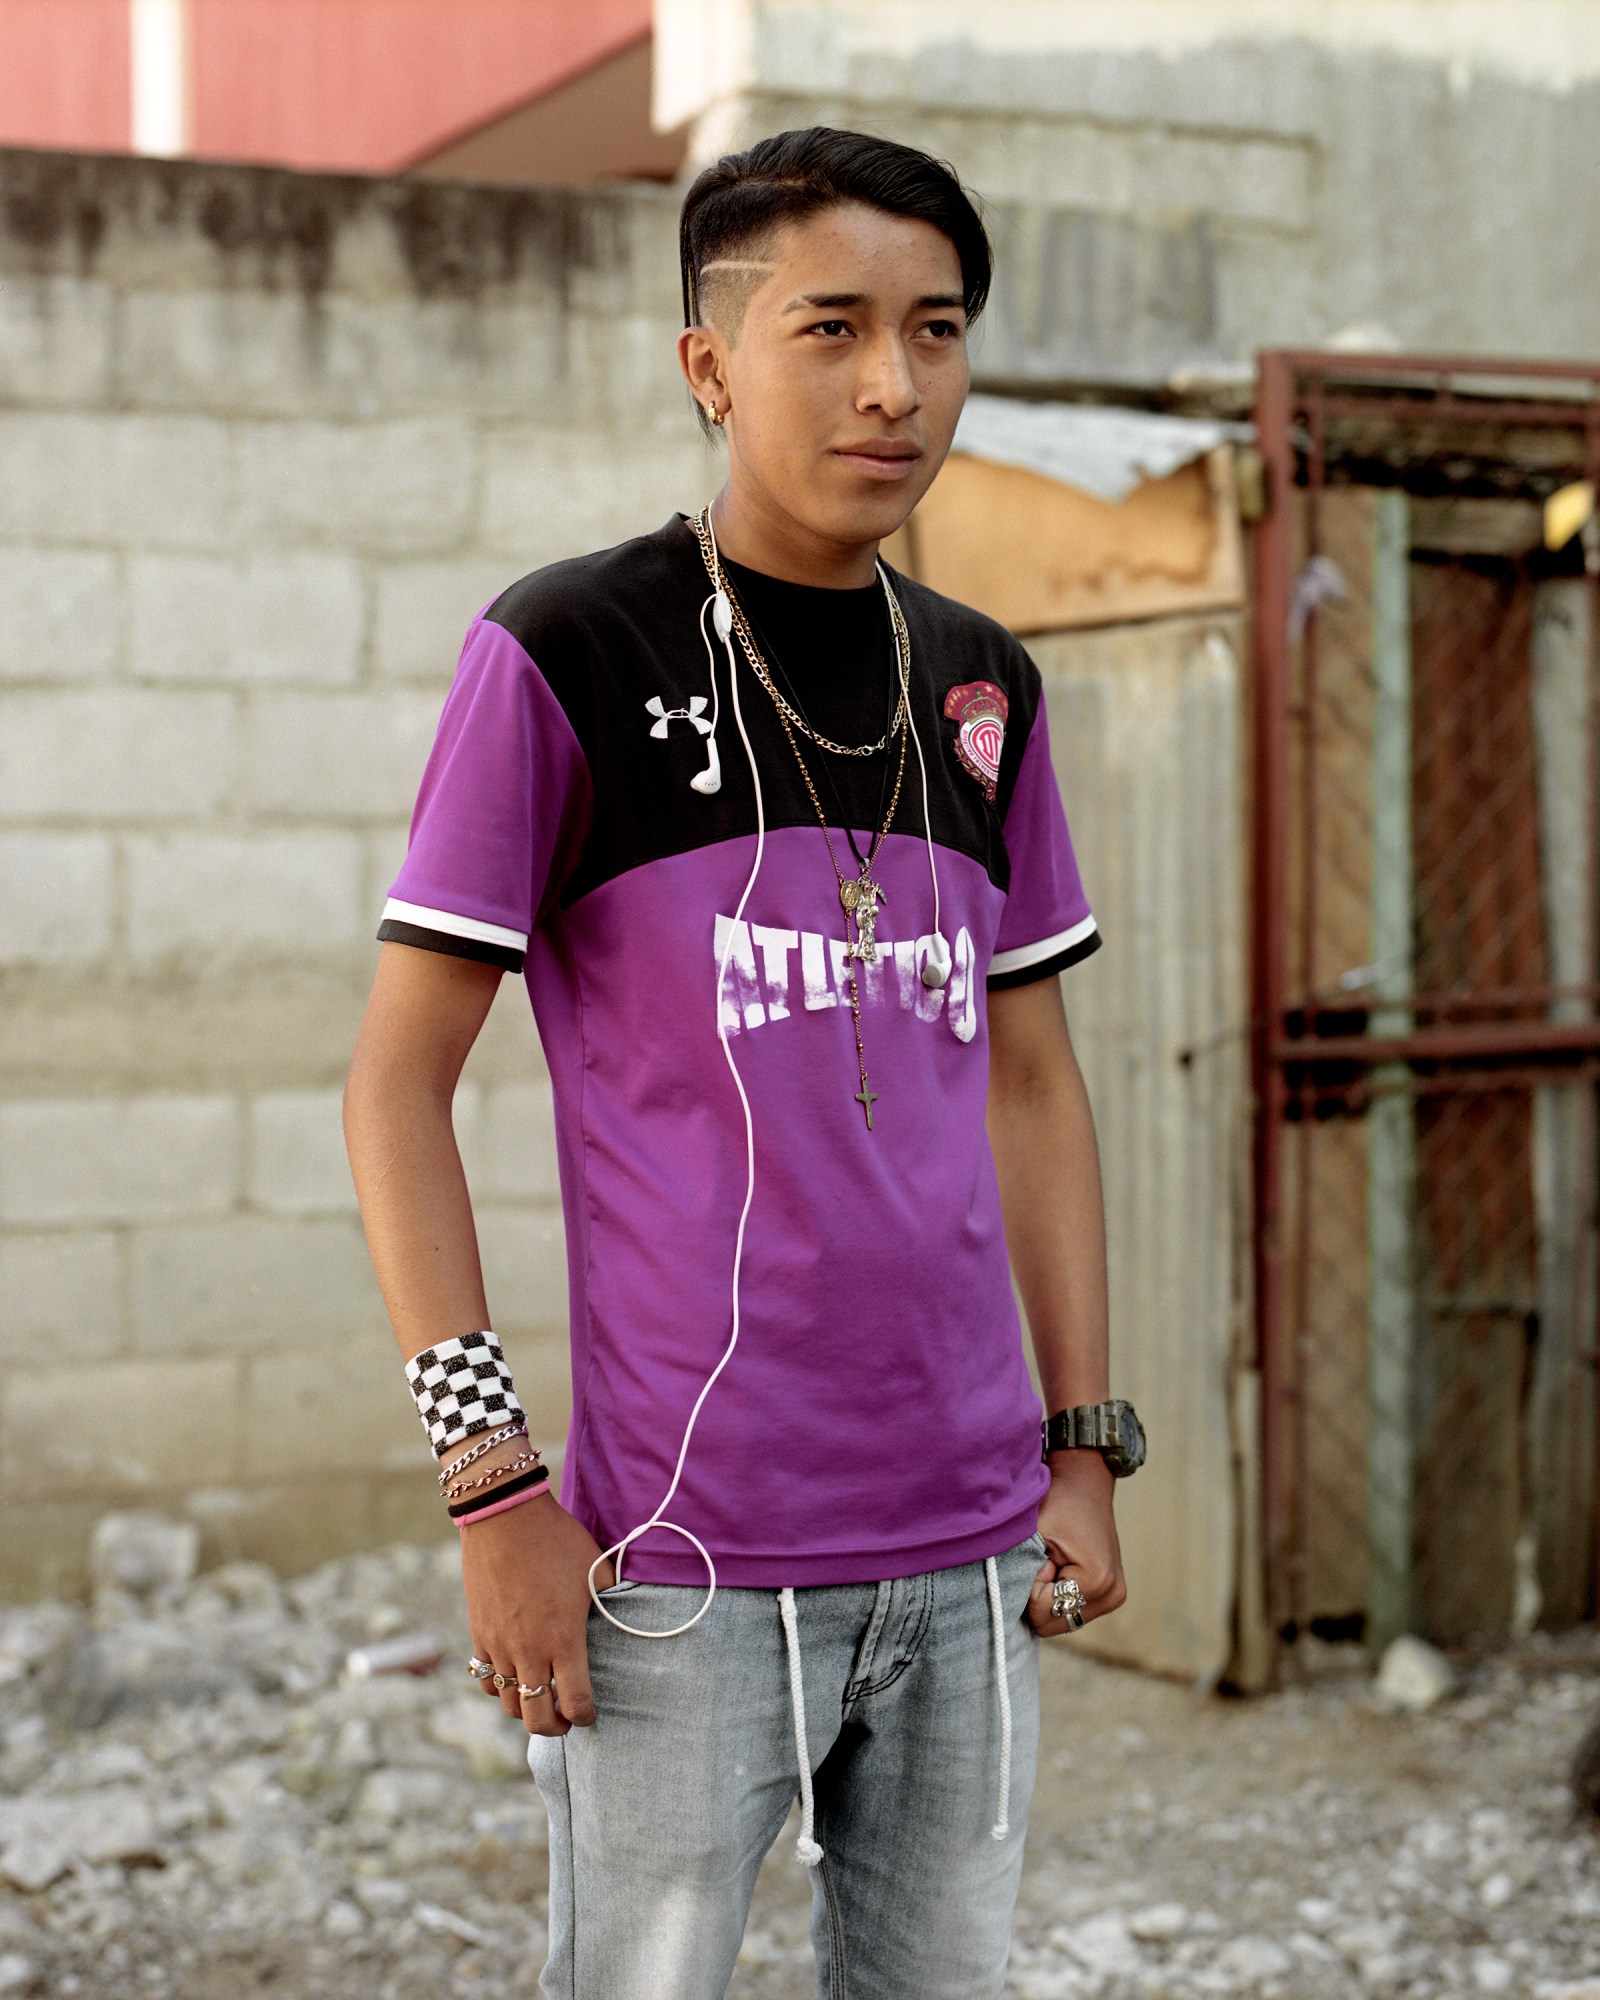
(979, 710)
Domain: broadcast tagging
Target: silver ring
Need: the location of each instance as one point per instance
(528, 1693)
(1067, 1600)
(480, 1670)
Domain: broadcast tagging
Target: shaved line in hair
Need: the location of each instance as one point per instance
(734, 283)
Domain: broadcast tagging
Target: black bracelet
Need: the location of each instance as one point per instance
(537, 1477)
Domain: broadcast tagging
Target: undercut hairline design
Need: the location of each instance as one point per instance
(741, 278)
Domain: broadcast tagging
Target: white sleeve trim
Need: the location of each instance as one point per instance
(454, 926)
(1031, 954)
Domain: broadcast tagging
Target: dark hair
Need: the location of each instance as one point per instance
(745, 196)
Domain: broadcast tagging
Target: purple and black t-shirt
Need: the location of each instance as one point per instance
(877, 1418)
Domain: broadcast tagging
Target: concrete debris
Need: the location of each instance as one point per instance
(1412, 1674)
(141, 1557)
(1161, 1923)
(197, 1801)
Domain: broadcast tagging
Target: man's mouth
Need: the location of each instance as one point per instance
(881, 458)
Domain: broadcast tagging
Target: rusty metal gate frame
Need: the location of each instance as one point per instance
(1297, 393)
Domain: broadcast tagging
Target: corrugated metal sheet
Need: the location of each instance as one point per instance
(1146, 722)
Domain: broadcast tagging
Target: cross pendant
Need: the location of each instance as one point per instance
(866, 1099)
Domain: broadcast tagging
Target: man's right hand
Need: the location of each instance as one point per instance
(526, 1574)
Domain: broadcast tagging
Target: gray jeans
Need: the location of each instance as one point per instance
(661, 1813)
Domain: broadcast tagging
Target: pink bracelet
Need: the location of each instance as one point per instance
(500, 1506)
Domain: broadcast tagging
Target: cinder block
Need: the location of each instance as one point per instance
(117, 1428)
(294, 615)
(214, 897)
(248, 1281)
(385, 850)
(622, 379)
(520, 1143)
(56, 892)
(243, 351)
(297, 1164)
(59, 614)
(55, 337)
(296, 1525)
(524, 1256)
(60, 1295)
(113, 753)
(542, 500)
(117, 1159)
(341, 1406)
(395, 488)
(627, 259)
(128, 479)
(482, 356)
(338, 756)
(423, 613)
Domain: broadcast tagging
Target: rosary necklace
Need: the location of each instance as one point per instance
(859, 897)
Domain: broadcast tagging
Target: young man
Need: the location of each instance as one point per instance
(774, 838)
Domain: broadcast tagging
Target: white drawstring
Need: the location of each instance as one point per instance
(997, 1619)
(805, 1847)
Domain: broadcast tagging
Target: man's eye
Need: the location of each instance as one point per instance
(830, 326)
(945, 329)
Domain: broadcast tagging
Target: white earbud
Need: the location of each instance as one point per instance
(936, 969)
(710, 779)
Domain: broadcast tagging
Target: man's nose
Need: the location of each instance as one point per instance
(888, 383)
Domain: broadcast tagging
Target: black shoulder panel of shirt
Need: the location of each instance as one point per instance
(617, 630)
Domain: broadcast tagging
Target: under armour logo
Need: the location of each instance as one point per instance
(665, 716)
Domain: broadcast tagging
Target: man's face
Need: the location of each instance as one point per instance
(844, 353)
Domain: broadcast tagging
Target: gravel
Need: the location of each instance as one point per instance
(196, 1801)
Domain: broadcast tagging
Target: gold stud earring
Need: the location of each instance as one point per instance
(714, 413)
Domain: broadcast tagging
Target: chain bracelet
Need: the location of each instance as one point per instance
(484, 1444)
(517, 1464)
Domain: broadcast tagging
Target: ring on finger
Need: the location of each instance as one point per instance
(480, 1670)
(530, 1693)
(1067, 1600)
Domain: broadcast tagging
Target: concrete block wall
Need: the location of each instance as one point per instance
(267, 441)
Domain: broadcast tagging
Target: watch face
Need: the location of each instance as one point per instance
(1132, 1436)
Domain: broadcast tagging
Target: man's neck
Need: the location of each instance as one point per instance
(763, 538)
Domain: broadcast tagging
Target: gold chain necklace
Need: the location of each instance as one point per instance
(785, 708)
(860, 897)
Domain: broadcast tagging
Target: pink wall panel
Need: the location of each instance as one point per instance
(371, 85)
(64, 74)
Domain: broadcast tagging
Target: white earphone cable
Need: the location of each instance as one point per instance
(657, 1519)
(922, 766)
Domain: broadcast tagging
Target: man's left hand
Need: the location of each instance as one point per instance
(1080, 1540)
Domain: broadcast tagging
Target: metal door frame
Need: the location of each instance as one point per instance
(1297, 393)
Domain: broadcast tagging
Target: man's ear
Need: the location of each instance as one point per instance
(701, 357)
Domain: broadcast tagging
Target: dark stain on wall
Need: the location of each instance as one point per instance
(46, 198)
(282, 227)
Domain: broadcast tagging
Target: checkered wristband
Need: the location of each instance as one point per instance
(462, 1386)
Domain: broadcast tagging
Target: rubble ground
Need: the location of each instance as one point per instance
(197, 1802)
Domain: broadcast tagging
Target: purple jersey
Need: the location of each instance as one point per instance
(877, 1418)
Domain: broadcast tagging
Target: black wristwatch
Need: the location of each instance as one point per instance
(1110, 1428)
